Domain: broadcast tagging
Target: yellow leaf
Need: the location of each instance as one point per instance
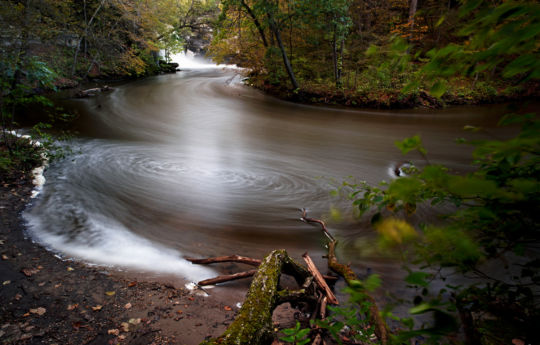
(395, 231)
(110, 293)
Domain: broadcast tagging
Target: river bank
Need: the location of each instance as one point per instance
(47, 300)
(383, 98)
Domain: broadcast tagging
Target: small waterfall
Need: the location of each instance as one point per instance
(188, 60)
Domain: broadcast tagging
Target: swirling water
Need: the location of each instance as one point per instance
(197, 164)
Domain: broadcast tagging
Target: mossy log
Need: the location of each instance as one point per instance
(253, 324)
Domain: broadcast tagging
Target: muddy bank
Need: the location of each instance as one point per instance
(45, 300)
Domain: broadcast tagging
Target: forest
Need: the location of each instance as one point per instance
(473, 263)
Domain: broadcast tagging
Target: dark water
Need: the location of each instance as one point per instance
(197, 164)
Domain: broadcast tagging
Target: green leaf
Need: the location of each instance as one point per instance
(302, 333)
(372, 282)
(418, 278)
(409, 144)
(289, 339)
(438, 89)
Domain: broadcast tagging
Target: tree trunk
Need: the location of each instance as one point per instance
(257, 23)
(253, 324)
(83, 37)
(288, 67)
(412, 14)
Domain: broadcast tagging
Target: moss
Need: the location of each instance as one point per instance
(253, 325)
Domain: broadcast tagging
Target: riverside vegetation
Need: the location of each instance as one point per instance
(380, 53)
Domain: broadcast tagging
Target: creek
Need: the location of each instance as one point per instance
(195, 163)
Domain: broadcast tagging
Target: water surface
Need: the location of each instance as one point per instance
(197, 164)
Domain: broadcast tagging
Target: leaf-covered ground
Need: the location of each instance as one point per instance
(44, 300)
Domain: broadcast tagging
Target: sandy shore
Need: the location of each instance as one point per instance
(47, 300)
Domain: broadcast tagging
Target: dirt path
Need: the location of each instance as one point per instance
(45, 300)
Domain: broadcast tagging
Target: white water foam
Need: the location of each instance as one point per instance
(37, 173)
(188, 60)
(117, 247)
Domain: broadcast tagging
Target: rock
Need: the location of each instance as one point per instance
(94, 91)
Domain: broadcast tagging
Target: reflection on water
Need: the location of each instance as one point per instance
(194, 163)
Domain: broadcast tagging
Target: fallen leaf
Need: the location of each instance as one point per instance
(179, 312)
(122, 337)
(128, 306)
(125, 326)
(57, 285)
(6, 282)
(132, 284)
(42, 284)
(227, 308)
(518, 342)
(29, 328)
(40, 267)
(4, 257)
(26, 314)
(97, 307)
(76, 325)
(110, 293)
(40, 311)
(18, 296)
(2, 242)
(72, 306)
(25, 336)
(70, 269)
(135, 321)
(29, 271)
(113, 332)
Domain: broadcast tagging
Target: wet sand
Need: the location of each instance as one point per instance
(46, 300)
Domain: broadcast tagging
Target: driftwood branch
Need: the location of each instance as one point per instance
(227, 278)
(381, 329)
(319, 279)
(247, 274)
(305, 219)
(229, 258)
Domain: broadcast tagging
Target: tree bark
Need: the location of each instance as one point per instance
(83, 37)
(287, 63)
(256, 22)
(320, 280)
(412, 14)
(253, 324)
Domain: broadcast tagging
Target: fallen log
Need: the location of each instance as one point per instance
(92, 92)
(253, 324)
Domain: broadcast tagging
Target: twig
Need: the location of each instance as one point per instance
(318, 221)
